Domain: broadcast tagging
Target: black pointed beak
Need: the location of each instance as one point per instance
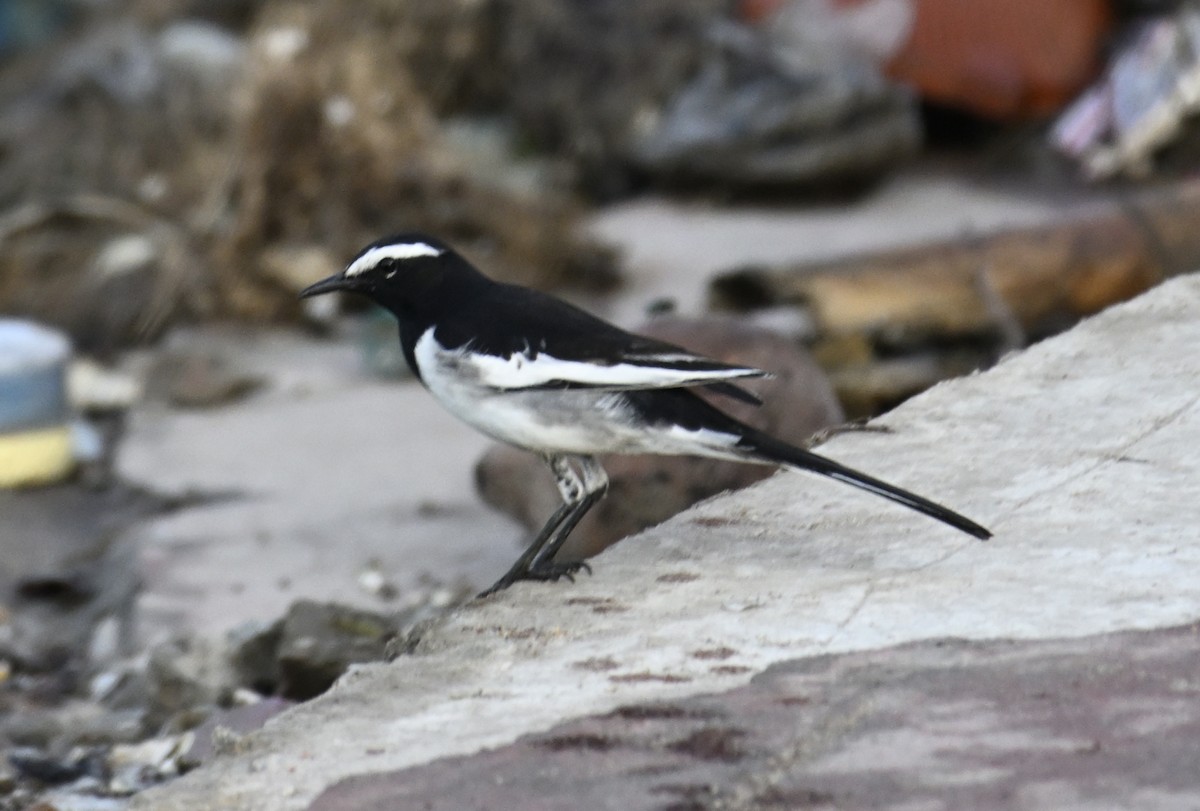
(338, 282)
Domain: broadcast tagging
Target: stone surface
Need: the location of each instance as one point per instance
(1110, 721)
(798, 401)
(1075, 452)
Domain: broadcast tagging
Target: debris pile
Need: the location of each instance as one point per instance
(156, 169)
(94, 733)
(1143, 101)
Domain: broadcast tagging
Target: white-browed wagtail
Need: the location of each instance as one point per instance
(531, 370)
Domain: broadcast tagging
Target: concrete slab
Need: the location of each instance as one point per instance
(1077, 453)
(1103, 722)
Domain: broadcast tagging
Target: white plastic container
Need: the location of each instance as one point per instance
(35, 440)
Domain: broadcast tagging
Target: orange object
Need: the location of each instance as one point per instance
(1006, 59)
(755, 11)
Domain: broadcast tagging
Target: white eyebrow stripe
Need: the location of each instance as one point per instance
(404, 250)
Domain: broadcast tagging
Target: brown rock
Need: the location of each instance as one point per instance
(646, 490)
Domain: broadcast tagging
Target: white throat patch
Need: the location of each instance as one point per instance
(403, 250)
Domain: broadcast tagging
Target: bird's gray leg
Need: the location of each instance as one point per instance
(595, 485)
(573, 490)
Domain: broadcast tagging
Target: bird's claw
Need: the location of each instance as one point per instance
(553, 571)
(542, 572)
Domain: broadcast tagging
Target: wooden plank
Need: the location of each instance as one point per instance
(1042, 279)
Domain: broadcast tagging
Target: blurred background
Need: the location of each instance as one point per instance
(214, 497)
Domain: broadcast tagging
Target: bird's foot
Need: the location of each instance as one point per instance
(553, 571)
(543, 572)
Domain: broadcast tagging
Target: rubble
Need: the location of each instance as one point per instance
(163, 164)
(189, 676)
(1149, 89)
(135, 723)
(757, 115)
(68, 570)
(627, 59)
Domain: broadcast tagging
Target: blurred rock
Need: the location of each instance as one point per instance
(200, 380)
(53, 769)
(189, 673)
(254, 652)
(627, 59)
(161, 160)
(321, 640)
(646, 490)
(76, 798)
(125, 687)
(207, 52)
(778, 112)
(137, 766)
(70, 723)
(67, 567)
(36, 730)
(224, 727)
(62, 265)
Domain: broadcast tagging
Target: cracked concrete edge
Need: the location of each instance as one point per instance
(1100, 721)
(1070, 451)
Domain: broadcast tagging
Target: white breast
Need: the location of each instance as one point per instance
(538, 420)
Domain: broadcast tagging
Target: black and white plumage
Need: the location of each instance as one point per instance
(531, 370)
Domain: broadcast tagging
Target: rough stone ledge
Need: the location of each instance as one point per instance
(1076, 452)
(1099, 722)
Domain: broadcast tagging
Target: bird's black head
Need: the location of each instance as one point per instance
(395, 269)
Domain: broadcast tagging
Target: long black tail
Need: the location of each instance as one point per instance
(772, 449)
